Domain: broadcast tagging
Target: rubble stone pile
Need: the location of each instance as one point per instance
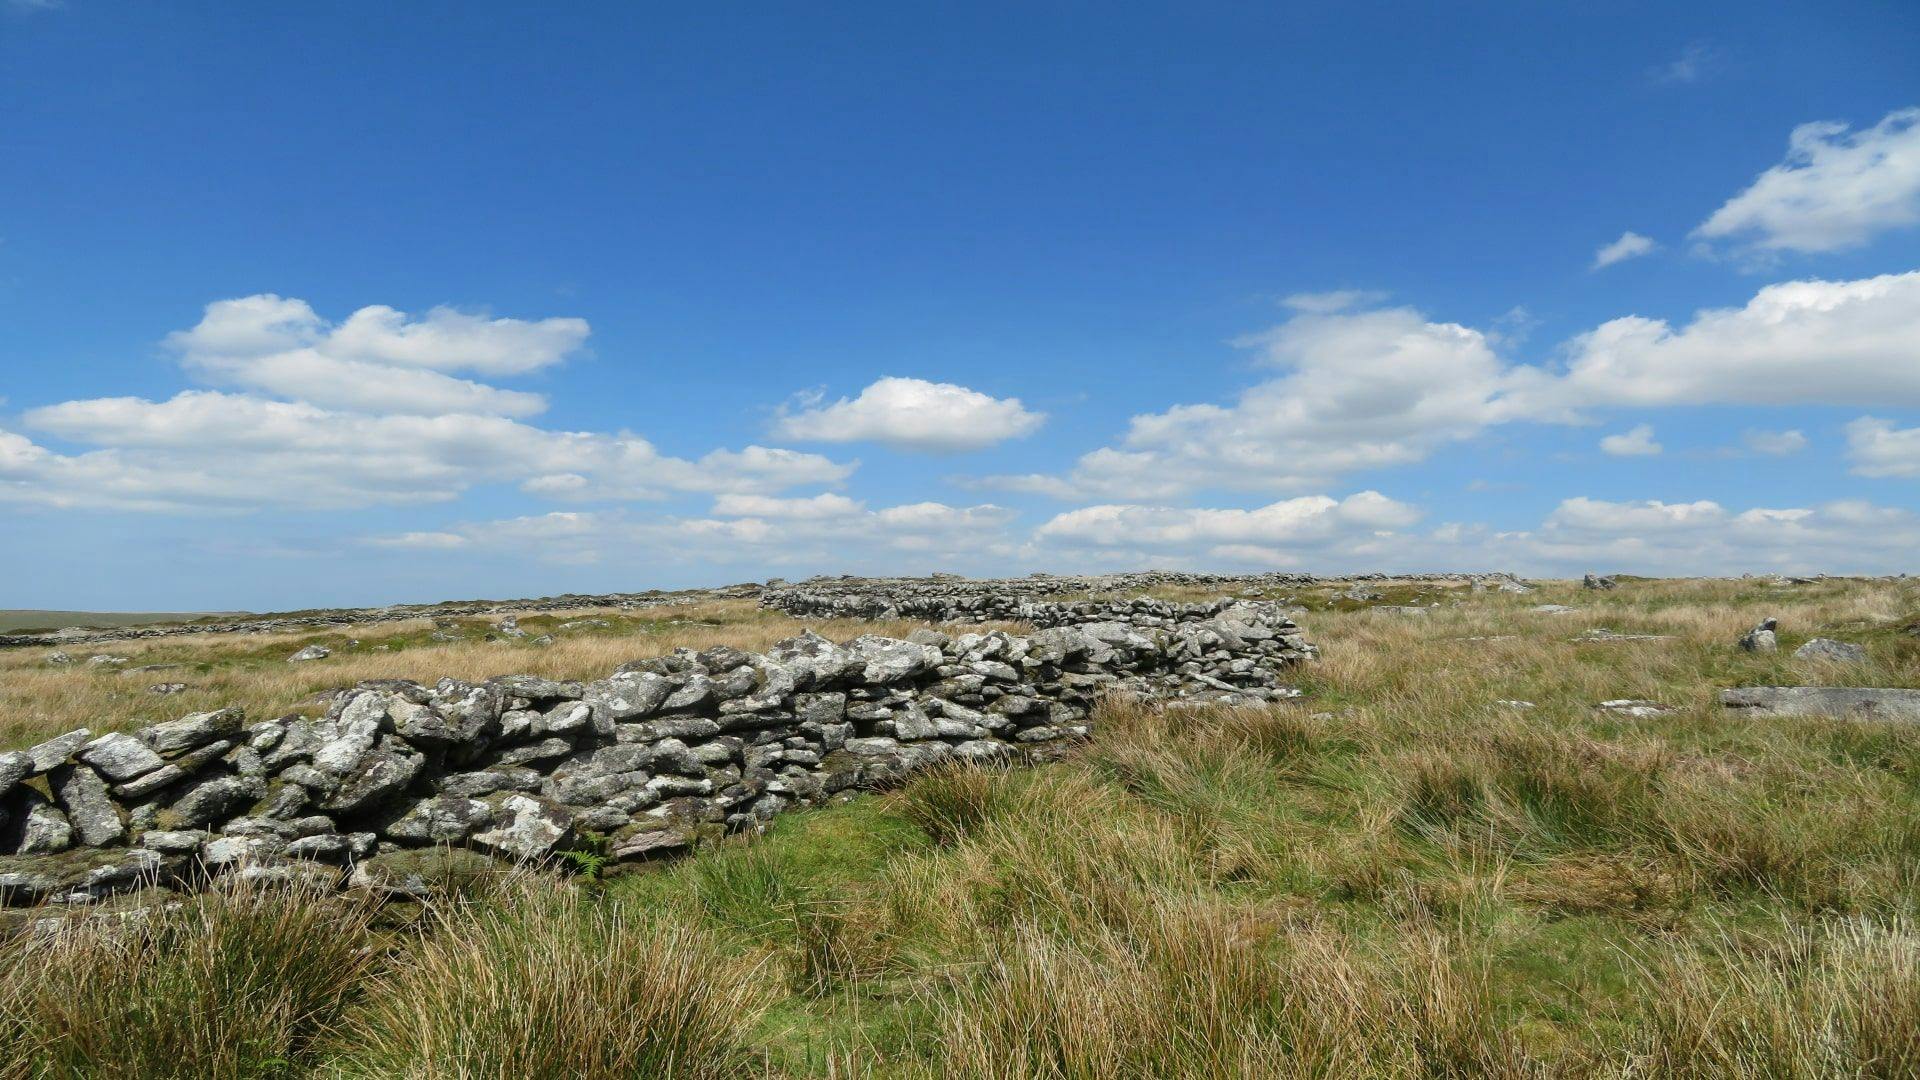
(649, 760)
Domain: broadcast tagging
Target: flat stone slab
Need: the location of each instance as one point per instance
(1868, 702)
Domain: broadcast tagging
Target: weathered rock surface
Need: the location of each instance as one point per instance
(1762, 639)
(1831, 651)
(1864, 702)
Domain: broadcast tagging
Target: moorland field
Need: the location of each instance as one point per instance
(1444, 860)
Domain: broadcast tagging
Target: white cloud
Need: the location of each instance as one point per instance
(814, 508)
(1836, 189)
(913, 414)
(826, 535)
(1635, 442)
(1694, 63)
(1327, 303)
(1274, 535)
(1795, 343)
(1877, 448)
(1360, 391)
(344, 443)
(378, 360)
(1774, 443)
(424, 541)
(1377, 389)
(1705, 537)
(1631, 245)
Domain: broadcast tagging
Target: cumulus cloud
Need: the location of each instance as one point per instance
(1634, 442)
(827, 534)
(1877, 448)
(342, 441)
(1774, 443)
(379, 360)
(1704, 537)
(1276, 534)
(913, 414)
(1837, 189)
(1799, 342)
(812, 508)
(206, 448)
(1376, 389)
(1364, 390)
(1631, 245)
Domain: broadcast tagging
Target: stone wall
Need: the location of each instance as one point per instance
(980, 607)
(644, 762)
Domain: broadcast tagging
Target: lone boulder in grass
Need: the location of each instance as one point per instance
(1831, 651)
(311, 652)
(1761, 639)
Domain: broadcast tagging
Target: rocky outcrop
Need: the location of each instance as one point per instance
(1869, 703)
(644, 762)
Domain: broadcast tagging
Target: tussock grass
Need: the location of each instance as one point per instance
(548, 982)
(1836, 999)
(240, 984)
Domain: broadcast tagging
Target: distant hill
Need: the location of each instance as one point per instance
(15, 620)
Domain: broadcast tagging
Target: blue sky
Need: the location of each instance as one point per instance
(365, 303)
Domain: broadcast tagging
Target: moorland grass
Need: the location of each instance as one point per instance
(1394, 876)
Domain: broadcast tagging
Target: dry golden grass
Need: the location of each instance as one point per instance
(39, 699)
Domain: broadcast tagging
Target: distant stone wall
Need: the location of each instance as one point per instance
(979, 607)
(638, 764)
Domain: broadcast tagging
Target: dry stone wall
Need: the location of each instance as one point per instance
(644, 762)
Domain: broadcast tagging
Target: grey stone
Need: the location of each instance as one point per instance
(120, 757)
(380, 776)
(83, 795)
(311, 652)
(1762, 639)
(211, 800)
(54, 752)
(39, 828)
(444, 820)
(1830, 651)
(195, 730)
(527, 828)
(1844, 701)
(175, 841)
(15, 766)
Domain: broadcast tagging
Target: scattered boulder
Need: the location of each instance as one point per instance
(311, 652)
(166, 688)
(1843, 701)
(1830, 651)
(1762, 639)
(1597, 581)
